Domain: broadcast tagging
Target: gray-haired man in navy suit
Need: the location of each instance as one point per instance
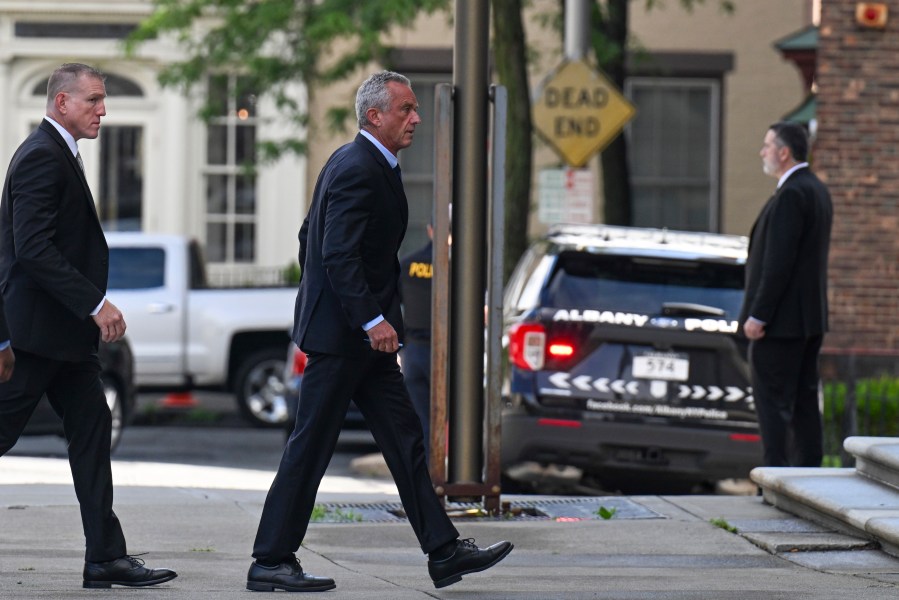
(349, 323)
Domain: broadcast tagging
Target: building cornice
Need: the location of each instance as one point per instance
(105, 8)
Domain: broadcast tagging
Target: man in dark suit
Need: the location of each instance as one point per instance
(53, 272)
(785, 307)
(348, 321)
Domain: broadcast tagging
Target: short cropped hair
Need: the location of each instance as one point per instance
(794, 137)
(373, 94)
(65, 76)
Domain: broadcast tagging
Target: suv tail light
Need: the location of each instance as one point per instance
(558, 349)
(299, 362)
(527, 346)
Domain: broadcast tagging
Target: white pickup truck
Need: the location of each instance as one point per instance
(186, 335)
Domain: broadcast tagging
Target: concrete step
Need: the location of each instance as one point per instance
(837, 498)
(876, 458)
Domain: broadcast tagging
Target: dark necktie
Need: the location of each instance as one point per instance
(80, 162)
(399, 172)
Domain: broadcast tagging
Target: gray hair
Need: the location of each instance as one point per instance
(64, 77)
(373, 94)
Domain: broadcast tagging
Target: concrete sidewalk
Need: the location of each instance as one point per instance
(654, 547)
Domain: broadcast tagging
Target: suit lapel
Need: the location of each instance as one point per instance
(72, 162)
(760, 224)
(390, 175)
(397, 186)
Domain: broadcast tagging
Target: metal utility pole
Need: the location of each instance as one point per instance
(466, 399)
(577, 28)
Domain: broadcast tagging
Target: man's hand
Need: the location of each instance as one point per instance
(383, 337)
(754, 329)
(111, 322)
(7, 362)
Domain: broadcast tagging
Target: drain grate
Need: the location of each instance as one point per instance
(563, 509)
(588, 508)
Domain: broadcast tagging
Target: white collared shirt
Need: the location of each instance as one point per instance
(391, 159)
(70, 141)
(792, 170)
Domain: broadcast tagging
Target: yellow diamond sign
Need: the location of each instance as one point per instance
(579, 111)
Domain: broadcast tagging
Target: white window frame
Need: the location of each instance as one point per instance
(714, 181)
(230, 169)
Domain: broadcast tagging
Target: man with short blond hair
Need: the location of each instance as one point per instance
(54, 264)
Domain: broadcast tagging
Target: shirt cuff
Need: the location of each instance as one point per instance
(4, 345)
(99, 306)
(759, 321)
(373, 322)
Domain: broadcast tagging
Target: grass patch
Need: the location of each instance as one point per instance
(322, 514)
(606, 513)
(723, 524)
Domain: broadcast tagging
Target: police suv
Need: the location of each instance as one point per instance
(626, 365)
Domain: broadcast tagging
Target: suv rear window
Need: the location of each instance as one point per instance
(640, 284)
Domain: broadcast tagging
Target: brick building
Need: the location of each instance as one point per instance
(857, 154)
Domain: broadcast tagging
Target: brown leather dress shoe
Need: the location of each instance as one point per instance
(287, 576)
(467, 558)
(128, 570)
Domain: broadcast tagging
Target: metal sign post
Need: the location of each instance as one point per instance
(489, 488)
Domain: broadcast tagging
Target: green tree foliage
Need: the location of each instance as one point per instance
(276, 44)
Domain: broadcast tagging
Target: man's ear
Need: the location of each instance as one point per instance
(60, 102)
(785, 153)
(374, 116)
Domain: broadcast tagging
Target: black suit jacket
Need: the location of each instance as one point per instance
(348, 249)
(786, 271)
(54, 260)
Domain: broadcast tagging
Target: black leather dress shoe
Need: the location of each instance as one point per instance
(127, 570)
(467, 558)
(287, 576)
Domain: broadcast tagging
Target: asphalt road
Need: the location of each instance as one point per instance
(209, 433)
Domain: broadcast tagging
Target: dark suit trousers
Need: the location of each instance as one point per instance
(785, 386)
(375, 384)
(76, 394)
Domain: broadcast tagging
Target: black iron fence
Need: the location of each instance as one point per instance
(860, 397)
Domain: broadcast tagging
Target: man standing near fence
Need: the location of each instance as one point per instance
(785, 307)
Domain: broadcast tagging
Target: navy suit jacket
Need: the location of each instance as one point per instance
(54, 260)
(786, 271)
(348, 250)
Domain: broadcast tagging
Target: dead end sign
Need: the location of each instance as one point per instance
(579, 111)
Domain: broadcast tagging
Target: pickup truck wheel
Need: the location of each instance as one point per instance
(260, 390)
